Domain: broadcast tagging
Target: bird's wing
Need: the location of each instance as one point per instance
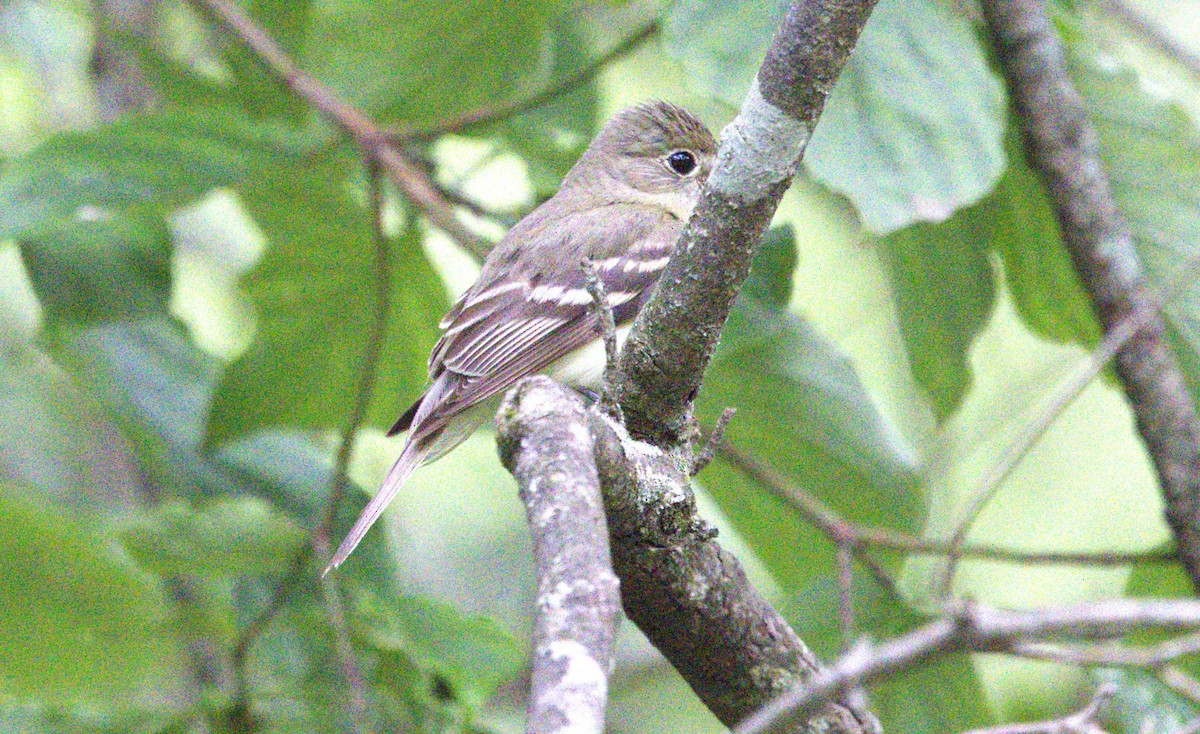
(523, 315)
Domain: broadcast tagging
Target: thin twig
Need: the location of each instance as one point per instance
(351, 669)
(823, 517)
(509, 108)
(374, 349)
(604, 314)
(974, 627)
(319, 538)
(845, 576)
(608, 332)
(1049, 409)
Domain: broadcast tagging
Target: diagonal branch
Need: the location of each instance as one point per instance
(674, 335)
(1062, 146)
(679, 586)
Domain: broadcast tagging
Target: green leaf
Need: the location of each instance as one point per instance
(721, 45)
(153, 162)
(81, 623)
(106, 266)
(552, 136)
(56, 438)
(913, 128)
(230, 536)
(461, 659)
(493, 51)
(1023, 229)
(295, 676)
(314, 292)
(944, 294)
(802, 409)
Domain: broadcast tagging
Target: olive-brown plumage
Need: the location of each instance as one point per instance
(622, 205)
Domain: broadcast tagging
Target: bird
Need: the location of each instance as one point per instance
(622, 206)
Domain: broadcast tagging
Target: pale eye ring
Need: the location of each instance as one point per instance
(682, 162)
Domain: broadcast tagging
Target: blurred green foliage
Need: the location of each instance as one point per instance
(155, 491)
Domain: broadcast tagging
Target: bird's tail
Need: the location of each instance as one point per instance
(411, 457)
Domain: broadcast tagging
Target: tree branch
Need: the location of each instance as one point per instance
(543, 439)
(690, 596)
(687, 594)
(976, 628)
(1062, 146)
(673, 337)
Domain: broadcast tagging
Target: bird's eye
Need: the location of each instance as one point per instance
(682, 162)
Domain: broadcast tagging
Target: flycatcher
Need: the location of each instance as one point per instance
(622, 206)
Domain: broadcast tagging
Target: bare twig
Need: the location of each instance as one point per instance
(604, 313)
(975, 628)
(319, 538)
(335, 611)
(1049, 409)
(543, 438)
(1062, 146)
(829, 522)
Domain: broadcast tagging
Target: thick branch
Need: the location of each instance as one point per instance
(1062, 145)
(669, 348)
(543, 438)
(691, 597)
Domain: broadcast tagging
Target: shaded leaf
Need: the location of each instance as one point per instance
(56, 439)
(81, 623)
(461, 660)
(227, 537)
(944, 294)
(1143, 704)
(106, 266)
(802, 409)
(153, 162)
(493, 51)
(314, 291)
(1037, 268)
